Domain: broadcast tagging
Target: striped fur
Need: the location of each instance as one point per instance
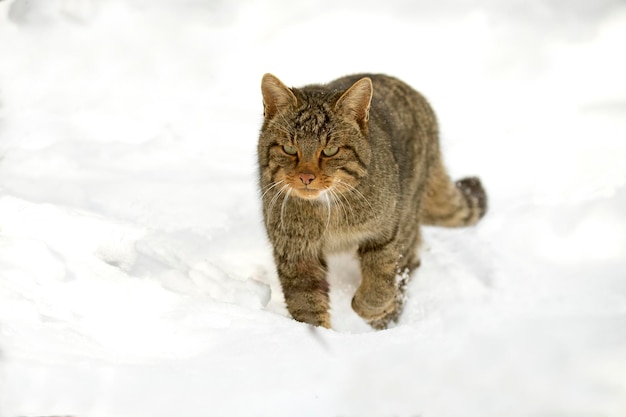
(354, 164)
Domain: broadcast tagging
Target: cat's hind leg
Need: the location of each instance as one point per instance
(452, 204)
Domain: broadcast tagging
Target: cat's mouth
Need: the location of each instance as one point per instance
(308, 193)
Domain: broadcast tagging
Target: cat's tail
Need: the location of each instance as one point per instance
(452, 204)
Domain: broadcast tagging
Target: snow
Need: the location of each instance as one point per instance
(135, 275)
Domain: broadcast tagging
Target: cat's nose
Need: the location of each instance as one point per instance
(306, 178)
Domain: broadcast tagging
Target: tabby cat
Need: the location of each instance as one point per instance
(354, 164)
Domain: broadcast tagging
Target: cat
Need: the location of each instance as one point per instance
(354, 165)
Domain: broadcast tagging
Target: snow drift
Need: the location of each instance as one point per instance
(135, 276)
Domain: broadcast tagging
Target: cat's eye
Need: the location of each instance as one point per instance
(290, 150)
(330, 151)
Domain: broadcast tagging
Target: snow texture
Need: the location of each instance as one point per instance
(135, 275)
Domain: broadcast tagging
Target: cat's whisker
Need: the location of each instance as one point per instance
(341, 197)
(328, 207)
(331, 198)
(270, 187)
(353, 190)
(282, 209)
(275, 199)
(336, 200)
(276, 196)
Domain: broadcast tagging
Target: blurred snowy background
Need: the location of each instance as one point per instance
(135, 276)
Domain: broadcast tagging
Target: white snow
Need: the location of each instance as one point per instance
(135, 275)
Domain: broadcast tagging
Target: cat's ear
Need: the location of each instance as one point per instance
(355, 102)
(276, 95)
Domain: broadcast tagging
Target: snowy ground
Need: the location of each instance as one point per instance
(135, 276)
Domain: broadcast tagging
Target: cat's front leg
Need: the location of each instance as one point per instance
(378, 299)
(304, 284)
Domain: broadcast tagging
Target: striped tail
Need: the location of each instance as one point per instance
(452, 204)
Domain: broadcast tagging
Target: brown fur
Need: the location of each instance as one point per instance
(354, 164)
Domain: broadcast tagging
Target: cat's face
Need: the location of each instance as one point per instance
(311, 164)
(313, 144)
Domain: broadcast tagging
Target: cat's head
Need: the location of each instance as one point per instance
(314, 140)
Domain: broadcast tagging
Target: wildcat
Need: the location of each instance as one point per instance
(354, 164)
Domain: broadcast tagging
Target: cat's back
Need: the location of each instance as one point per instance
(395, 105)
(382, 83)
(388, 90)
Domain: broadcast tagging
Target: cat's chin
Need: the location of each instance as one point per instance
(308, 194)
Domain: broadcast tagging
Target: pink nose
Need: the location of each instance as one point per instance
(306, 178)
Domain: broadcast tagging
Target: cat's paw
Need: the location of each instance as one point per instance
(384, 322)
(379, 314)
